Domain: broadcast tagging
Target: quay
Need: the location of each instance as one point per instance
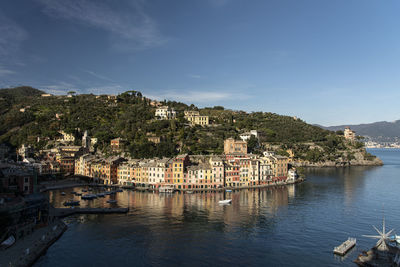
(64, 212)
(27, 250)
(345, 246)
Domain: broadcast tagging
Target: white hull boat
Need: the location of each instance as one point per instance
(225, 201)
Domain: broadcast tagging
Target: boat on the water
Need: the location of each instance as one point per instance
(345, 246)
(63, 193)
(73, 192)
(8, 242)
(119, 190)
(78, 194)
(228, 190)
(111, 201)
(89, 196)
(84, 190)
(72, 203)
(225, 201)
(189, 192)
(101, 194)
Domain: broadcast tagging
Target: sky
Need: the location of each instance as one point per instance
(328, 62)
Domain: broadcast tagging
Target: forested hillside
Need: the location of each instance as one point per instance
(131, 117)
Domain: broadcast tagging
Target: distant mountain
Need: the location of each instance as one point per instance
(381, 131)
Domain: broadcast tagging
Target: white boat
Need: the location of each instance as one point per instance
(397, 238)
(228, 190)
(8, 242)
(63, 193)
(189, 192)
(225, 201)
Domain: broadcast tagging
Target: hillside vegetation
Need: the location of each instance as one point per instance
(131, 117)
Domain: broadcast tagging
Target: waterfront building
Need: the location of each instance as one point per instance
(292, 175)
(279, 166)
(165, 113)
(254, 178)
(218, 169)
(265, 171)
(232, 176)
(232, 146)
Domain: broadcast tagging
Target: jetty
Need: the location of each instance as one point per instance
(64, 212)
(345, 246)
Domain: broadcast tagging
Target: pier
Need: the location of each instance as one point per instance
(345, 246)
(64, 212)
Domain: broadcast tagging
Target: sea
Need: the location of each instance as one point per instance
(295, 225)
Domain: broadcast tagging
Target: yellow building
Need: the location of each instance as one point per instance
(195, 118)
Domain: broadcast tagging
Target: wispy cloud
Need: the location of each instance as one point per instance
(11, 37)
(98, 76)
(195, 76)
(132, 24)
(59, 88)
(107, 89)
(4, 72)
(201, 97)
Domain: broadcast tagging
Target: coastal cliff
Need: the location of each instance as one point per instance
(360, 158)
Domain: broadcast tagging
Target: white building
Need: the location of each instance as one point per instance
(292, 175)
(165, 113)
(247, 135)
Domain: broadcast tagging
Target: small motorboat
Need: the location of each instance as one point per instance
(111, 201)
(84, 190)
(89, 196)
(90, 189)
(78, 194)
(225, 201)
(189, 192)
(63, 193)
(72, 203)
(101, 194)
(228, 190)
(73, 192)
(119, 190)
(8, 242)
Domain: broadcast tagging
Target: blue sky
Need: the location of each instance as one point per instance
(326, 61)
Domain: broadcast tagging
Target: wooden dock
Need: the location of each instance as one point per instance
(345, 246)
(60, 212)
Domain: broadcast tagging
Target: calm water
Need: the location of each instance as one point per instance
(286, 226)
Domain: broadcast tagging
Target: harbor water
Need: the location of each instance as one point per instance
(296, 225)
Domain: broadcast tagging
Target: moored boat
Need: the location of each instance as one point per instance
(225, 201)
(63, 193)
(72, 203)
(89, 196)
(345, 246)
(228, 190)
(111, 201)
(8, 242)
